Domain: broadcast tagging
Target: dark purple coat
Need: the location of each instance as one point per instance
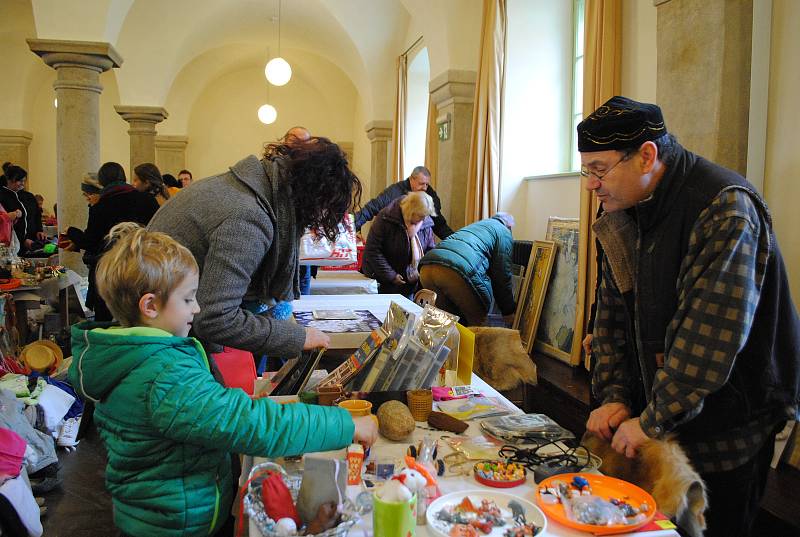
(388, 250)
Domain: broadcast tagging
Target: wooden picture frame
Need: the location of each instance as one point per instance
(532, 291)
(557, 333)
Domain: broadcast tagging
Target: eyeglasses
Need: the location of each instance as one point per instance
(586, 173)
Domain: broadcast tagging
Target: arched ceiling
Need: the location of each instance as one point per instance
(213, 64)
(158, 39)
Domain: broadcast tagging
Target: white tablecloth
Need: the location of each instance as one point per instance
(342, 282)
(396, 450)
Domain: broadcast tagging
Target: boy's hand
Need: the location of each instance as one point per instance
(316, 339)
(366, 432)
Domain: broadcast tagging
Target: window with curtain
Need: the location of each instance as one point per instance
(577, 82)
(543, 91)
(416, 111)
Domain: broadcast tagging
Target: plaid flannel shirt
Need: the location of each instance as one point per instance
(719, 286)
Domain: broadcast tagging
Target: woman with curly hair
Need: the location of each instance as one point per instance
(147, 178)
(243, 227)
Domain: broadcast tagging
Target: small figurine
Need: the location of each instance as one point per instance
(517, 511)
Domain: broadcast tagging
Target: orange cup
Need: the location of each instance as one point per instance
(357, 407)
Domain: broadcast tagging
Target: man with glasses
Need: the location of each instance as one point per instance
(696, 333)
(418, 181)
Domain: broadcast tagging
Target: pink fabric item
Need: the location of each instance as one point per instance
(12, 452)
(6, 226)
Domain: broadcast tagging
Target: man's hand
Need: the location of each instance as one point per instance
(28, 243)
(629, 438)
(41, 235)
(587, 344)
(398, 280)
(316, 339)
(366, 432)
(603, 420)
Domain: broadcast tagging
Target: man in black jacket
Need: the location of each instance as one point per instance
(418, 181)
(696, 334)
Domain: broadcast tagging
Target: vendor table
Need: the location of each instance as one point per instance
(396, 450)
(342, 282)
(378, 305)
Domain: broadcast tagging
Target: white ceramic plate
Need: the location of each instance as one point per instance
(442, 528)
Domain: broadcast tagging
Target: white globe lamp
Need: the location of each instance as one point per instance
(278, 72)
(267, 114)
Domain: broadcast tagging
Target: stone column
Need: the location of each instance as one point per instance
(78, 65)
(379, 133)
(142, 120)
(171, 154)
(453, 93)
(14, 146)
(703, 82)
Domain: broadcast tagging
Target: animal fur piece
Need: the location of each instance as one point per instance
(500, 359)
(661, 468)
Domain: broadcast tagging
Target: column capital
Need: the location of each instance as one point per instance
(16, 136)
(171, 142)
(453, 86)
(380, 129)
(143, 114)
(95, 55)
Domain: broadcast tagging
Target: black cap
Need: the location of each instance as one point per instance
(620, 123)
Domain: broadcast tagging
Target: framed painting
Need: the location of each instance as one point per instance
(532, 291)
(556, 331)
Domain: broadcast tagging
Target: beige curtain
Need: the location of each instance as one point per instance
(601, 81)
(432, 142)
(483, 176)
(399, 125)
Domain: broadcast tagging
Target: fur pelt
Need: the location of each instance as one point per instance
(661, 468)
(500, 359)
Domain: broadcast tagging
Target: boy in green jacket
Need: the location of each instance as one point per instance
(168, 426)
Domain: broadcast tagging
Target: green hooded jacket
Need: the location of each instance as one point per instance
(169, 427)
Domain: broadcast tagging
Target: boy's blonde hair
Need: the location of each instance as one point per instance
(140, 262)
(416, 206)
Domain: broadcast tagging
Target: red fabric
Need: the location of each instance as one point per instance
(277, 499)
(238, 368)
(12, 452)
(6, 227)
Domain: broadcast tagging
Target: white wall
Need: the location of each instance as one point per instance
(224, 128)
(639, 54)
(541, 199)
(781, 183)
(417, 111)
(362, 150)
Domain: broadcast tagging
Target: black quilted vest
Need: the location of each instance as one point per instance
(765, 381)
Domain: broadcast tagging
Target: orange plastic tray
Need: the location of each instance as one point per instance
(7, 284)
(604, 487)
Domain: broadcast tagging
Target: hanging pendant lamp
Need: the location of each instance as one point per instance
(267, 114)
(278, 71)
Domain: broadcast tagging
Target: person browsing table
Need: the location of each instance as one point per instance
(243, 227)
